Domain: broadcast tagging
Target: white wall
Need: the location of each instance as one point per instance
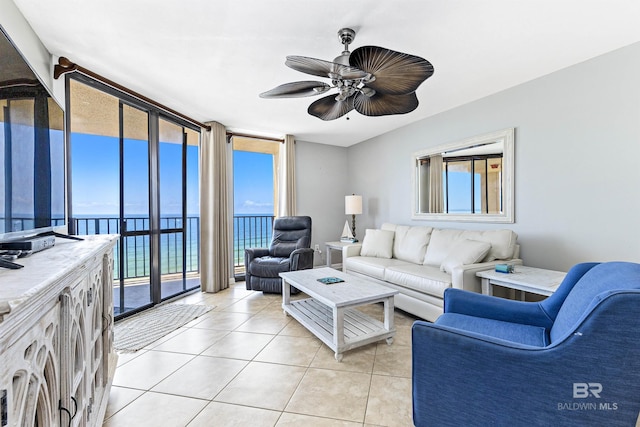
(577, 161)
(321, 184)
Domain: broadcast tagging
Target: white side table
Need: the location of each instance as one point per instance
(337, 246)
(525, 279)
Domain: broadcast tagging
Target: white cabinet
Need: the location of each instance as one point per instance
(56, 335)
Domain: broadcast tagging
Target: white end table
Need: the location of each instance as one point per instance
(337, 246)
(525, 279)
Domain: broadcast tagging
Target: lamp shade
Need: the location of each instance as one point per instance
(353, 205)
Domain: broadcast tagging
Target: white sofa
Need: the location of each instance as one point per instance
(421, 262)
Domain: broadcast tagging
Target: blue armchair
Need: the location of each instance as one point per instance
(572, 359)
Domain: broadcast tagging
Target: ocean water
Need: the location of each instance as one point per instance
(249, 230)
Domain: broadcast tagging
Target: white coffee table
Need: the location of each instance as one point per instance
(330, 313)
(526, 279)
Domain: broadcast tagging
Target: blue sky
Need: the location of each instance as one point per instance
(95, 178)
(253, 183)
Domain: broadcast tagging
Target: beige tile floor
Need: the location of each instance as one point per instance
(247, 364)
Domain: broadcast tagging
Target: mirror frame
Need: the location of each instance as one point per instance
(508, 171)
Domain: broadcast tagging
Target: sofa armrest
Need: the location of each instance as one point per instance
(464, 276)
(351, 250)
(490, 307)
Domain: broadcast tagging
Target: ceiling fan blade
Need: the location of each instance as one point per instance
(384, 105)
(328, 108)
(321, 68)
(395, 73)
(296, 90)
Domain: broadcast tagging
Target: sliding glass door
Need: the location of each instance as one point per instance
(134, 285)
(135, 172)
(179, 210)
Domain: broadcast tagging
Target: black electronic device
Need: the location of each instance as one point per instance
(35, 244)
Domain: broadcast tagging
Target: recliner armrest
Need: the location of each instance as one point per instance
(490, 307)
(301, 259)
(251, 253)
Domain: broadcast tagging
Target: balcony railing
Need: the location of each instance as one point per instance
(248, 231)
(136, 250)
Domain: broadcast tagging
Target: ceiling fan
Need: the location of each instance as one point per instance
(372, 80)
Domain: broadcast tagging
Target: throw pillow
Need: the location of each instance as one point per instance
(463, 253)
(440, 245)
(377, 243)
(410, 243)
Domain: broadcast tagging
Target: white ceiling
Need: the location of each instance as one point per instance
(209, 59)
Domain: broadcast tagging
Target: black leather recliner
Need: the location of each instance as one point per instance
(290, 250)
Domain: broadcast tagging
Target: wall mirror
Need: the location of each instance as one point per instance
(469, 180)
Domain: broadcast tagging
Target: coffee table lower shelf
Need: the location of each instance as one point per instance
(353, 328)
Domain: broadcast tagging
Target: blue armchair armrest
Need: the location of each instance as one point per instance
(541, 313)
(490, 307)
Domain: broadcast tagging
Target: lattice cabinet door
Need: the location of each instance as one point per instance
(83, 312)
(107, 315)
(74, 359)
(95, 325)
(29, 372)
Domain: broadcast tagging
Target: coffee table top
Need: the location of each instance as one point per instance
(353, 291)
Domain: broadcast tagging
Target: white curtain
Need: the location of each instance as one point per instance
(436, 195)
(216, 235)
(287, 178)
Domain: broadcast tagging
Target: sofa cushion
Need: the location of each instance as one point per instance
(421, 278)
(410, 243)
(503, 242)
(388, 226)
(377, 243)
(371, 266)
(464, 252)
(440, 245)
(515, 332)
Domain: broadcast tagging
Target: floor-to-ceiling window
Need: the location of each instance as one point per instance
(134, 172)
(255, 195)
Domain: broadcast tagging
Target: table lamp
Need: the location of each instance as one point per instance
(353, 207)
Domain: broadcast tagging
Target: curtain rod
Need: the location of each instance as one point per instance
(66, 66)
(246, 135)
